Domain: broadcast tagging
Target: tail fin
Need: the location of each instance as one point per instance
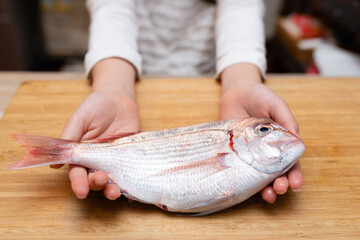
(42, 151)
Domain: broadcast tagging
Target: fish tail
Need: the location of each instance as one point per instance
(42, 151)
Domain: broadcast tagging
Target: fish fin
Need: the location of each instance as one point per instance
(111, 137)
(218, 203)
(219, 200)
(90, 170)
(111, 179)
(131, 197)
(42, 151)
(124, 193)
(217, 162)
(207, 212)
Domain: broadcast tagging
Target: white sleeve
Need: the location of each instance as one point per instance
(113, 32)
(240, 35)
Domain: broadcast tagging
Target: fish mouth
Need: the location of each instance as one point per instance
(291, 144)
(299, 148)
(288, 167)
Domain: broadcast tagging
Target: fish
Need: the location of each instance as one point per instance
(202, 168)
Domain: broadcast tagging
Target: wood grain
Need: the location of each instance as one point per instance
(38, 203)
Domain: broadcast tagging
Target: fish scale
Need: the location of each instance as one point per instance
(166, 155)
(200, 168)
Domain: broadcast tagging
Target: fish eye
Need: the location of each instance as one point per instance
(264, 129)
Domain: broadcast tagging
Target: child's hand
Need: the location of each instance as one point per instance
(100, 115)
(250, 98)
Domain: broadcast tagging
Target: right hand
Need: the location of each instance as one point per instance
(243, 95)
(102, 114)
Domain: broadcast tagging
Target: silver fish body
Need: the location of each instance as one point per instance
(201, 168)
(197, 168)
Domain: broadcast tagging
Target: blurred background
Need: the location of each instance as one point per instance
(303, 36)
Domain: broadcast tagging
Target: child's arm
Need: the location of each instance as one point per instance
(109, 109)
(241, 64)
(113, 33)
(240, 35)
(243, 95)
(112, 62)
(114, 75)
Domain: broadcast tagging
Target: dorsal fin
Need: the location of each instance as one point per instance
(111, 137)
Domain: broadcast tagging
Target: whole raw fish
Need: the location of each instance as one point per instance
(201, 168)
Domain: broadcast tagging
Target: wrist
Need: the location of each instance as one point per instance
(239, 74)
(114, 75)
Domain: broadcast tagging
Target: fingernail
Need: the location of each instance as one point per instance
(81, 197)
(296, 190)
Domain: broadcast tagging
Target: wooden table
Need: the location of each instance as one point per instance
(37, 203)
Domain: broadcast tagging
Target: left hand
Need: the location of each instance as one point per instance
(246, 97)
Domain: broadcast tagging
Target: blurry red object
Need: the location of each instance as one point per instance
(305, 26)
(312, 68)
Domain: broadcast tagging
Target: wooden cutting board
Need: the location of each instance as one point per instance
(38, 203)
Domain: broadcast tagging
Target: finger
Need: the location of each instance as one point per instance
(56, 165)
(281, 113)
(97, 180)
(73, 129)
(281, 185)
(268, 194)
(112, 192)
(295, 177)
(79, 181)
(92, 134)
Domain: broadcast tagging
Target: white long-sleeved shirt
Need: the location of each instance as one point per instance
(178, 37)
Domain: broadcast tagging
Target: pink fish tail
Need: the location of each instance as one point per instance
(42, 151)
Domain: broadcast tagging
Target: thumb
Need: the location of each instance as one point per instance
(283, 115)
(72, 131)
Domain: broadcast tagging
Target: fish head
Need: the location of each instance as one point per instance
(266, 146)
